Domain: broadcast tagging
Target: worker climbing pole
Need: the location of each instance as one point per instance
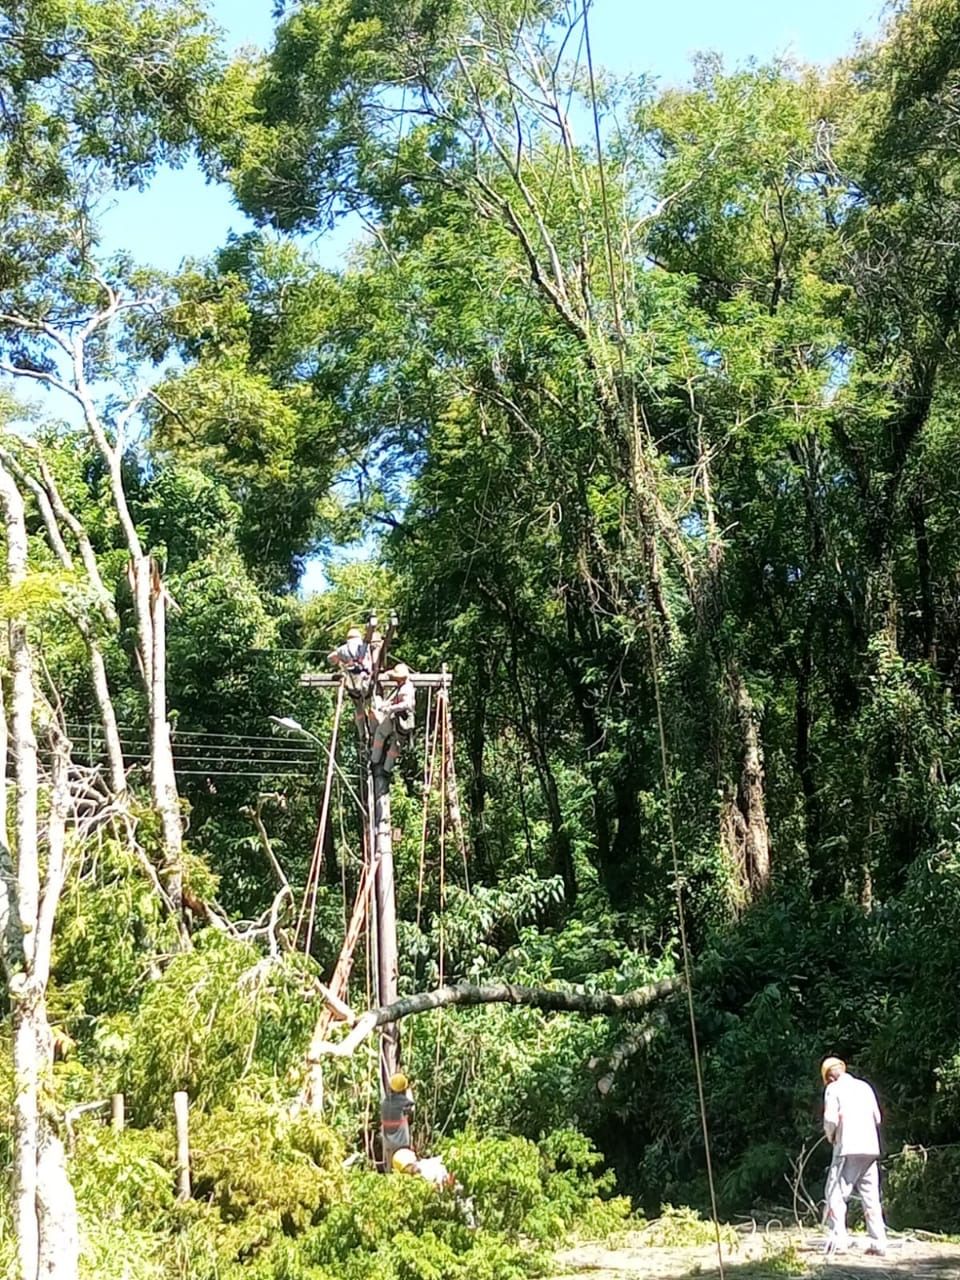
(383, 694)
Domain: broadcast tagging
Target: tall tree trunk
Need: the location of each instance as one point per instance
(802, 759)
(744, 834)
(149, 599)
(744, 831)
(46, 1237)
(163, 777)
(928, 612)
(561, 846)
(751, 795)
(26, 1119)
(59, 1253)
(108, 718)
(54, 513)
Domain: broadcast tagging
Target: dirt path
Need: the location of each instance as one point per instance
(759, 1257)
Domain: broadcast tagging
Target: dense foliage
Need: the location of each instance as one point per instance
(655, 442)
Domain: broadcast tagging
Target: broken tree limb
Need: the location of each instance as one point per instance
(638, 1038)
(256, 817)
(548, 999)
(339, 1007)
(592, 1003)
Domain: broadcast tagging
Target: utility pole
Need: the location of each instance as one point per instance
(378, 849)
(385, 901)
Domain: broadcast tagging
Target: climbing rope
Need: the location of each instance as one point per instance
(308, 908)
(430, 767)
(442, 895)
(681, 917)
(443, 721)
(655, 669)
(453, 793)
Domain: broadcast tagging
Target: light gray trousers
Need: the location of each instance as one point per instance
(860, 1176)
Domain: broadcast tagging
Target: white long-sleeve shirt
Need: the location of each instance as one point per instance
(851, 1116)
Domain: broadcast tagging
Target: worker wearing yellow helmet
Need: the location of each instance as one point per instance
(404, 1161)
(396, 1108)
(851, 1121)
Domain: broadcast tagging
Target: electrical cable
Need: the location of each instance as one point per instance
(138, 731)
(317, 860)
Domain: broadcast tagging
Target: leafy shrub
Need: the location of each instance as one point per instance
(108, 921)
(397, 1228)
(126, 1176)
(272, 1201)
(921, 1189)
(218, 1015)
(125, 1197)
(263, 1173)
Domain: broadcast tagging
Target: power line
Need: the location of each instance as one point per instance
(205, 751)
(238, 773)
(202, 752)
(279, 766)
(134, 730)
(215, 761)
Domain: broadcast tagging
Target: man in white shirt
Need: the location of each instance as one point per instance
(355, 657)
(851, 1119)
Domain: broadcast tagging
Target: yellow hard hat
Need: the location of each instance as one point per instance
(404, 1161)
(398, 1082)
(827, 1065)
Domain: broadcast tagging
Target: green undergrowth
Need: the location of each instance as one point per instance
(921, 1189)
(778, 1260)
(273, 1200)
(684, 1228)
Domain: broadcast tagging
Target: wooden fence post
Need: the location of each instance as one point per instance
(117, 1113)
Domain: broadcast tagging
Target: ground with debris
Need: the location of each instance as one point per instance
(760, 1256)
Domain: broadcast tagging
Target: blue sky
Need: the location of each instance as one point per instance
(181, 216)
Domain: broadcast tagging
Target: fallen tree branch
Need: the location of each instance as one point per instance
(801, 1196)
(545, 998)
(255, 816)
(592, 1003)
(638, 1038)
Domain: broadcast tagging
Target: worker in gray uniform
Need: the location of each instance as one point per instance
(396, 1108)
(354, 657)
(394, 718)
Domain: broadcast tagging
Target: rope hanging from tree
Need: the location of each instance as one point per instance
(654, 661)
